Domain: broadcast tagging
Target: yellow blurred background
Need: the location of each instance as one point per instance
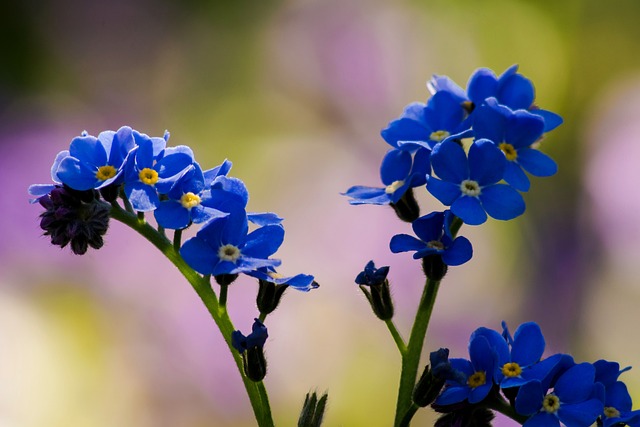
(295, 93)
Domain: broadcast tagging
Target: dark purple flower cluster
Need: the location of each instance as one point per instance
(511, 372)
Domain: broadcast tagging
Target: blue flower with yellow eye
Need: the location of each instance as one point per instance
(510, 88)
(400, 171)
(514, 132)
(441, 118)
(471, 185)
(434, 238)
(152, 169)
(618, 405)
(94, 162)
(224, 246)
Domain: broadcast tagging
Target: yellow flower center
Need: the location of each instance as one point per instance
(105, 172)
(509, 151)
(477, 379)
(275, 275)
(391, 188)
(189, 200)
(470, 188)
(148, 176)
(551, 404)
(511, 370)
(439, 135)
(229, 253)
(611, 412)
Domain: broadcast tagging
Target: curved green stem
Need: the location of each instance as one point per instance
(402, 347)
(255, 390)
(502, 406)
(411, 358)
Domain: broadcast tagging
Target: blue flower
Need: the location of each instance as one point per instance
(256, 338)
(94, 162)
(618, 404)
(441, 118)
(191, 200)
(151, 169)
(224, 246)
(372, 276)
(474, 378)
(514, 132)
(399, 172)
(470, 185)
(571, 401)
(511, 89)
(434, 238)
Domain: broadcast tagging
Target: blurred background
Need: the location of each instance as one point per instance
(295, 94)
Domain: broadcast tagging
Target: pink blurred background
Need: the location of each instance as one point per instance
(295, 94)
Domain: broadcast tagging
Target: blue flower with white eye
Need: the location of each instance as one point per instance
(94, 162)
(514, 132)
(225, 246)
(434, 238)
(400, 171)
(441, 118)
(152, 169)
(510, 88)
(571, 402)
(470, 185)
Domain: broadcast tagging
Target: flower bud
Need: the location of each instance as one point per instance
(251, 349)
(269, 296)
(378, 293)
(434, 268)
(407, 207)
(313, 410)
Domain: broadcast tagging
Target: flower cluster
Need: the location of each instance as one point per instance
(510, 373)
(472, 149)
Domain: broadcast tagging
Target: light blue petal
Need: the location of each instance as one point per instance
(143, 197)
(77, 175)
(264, 241)
(87, 149)
(264, 218)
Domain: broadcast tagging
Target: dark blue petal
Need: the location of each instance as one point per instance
(444, 112)
(516, 92)
(453, 394)
(486, 162)
(477, 394)
(449, 162)
(264, 241)
(459, 252)
(529, 398)
(483, 357)
(515, 176)
(580, 414)
(199, 255)
(396, 165)
(502, 202)
(405, 243)
(171, 214)
(429, 227)
(496, 342)
(445, 192)
(576, 383)
(469, 210)
(483, 84)
(444, 83)
(551, 120)
(232, 185)
(618, 396)
(528, 344)
(536, 162)
(523, 129)
(221, 169)
(490, 121)
(542, 419)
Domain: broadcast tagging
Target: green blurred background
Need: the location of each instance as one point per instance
(295, 94)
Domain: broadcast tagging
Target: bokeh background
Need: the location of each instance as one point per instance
(295, 94)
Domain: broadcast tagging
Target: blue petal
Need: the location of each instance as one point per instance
(56, 164)
(232, 185)
(264, 241)
(405, 243)
(576, 383)
(429, 227)
(523, 129)
(143, 197)
(516, 91)
(367, 195)
(502, 202)
(528, 344)
(479, 393)
(443, 112)
(452, 394)
(199, 255)
(221, 169)
(245, 264)
(529, 398)
(486, 162)
(483, 357)
(536, 162)
(490, 120)
(497, 344)
(459, 252)
(171, 214)
(87, 149)
(580, 414)
(515, 176)
(263, 218)
(449, 162)
(483, 84)
(542, 419)
(446, 192)
(396, 165)
(551, 120)
(121, 144)
(76, 174)
(469, 210)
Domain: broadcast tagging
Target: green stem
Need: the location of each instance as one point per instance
(402, 347)
(411, 358)
(223, 295)
(255, 390)
(502, 406)
(177, 240)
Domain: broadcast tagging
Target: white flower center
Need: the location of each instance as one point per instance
(470, 188)
(229, 253)
(391, 188)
